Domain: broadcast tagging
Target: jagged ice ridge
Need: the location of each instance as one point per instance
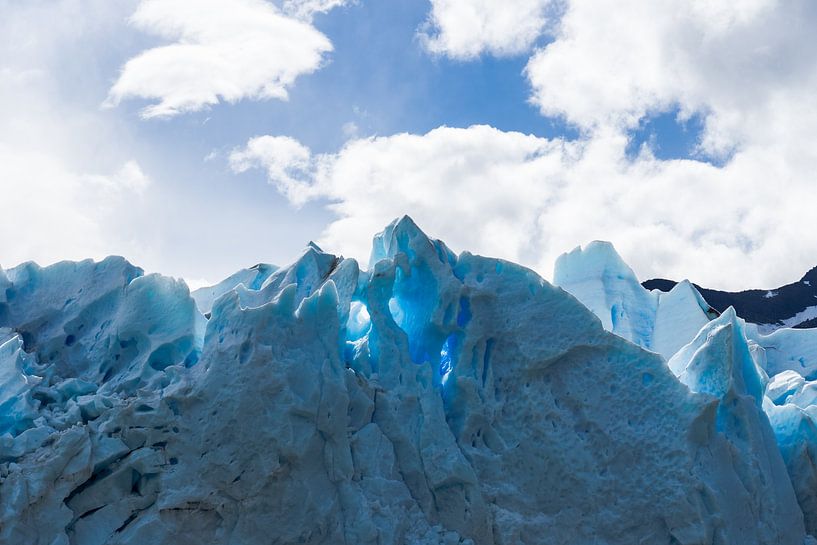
(433, 398)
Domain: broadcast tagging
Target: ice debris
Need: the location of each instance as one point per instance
(431, 399)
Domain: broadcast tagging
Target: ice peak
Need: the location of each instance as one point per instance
(720, 359)
(596, 259)
(432, 399)
(401, 235)
(598, 277)
(404, 236)
(662, 322)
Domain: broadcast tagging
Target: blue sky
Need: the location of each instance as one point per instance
(378, 77)
(518, 129)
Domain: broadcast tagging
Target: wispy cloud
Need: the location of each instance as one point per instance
(221, 50)
(288, 163)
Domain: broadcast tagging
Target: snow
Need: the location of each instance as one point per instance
(431, 399)
(808, 313)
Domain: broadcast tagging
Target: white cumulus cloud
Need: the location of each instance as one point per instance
(464, 29)
(220, 50)
(528, 199)
(52, 212)
(748, 67)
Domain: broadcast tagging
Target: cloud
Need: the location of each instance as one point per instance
(74, 182)
(350, 129)
(288, 163)
(221, 50)
(528, 199)
(307, 9)
(748, 67)
(71, 188)
(464, 29)
(52, 213)
(128, 178)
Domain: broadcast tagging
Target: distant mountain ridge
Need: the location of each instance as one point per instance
(792, 305)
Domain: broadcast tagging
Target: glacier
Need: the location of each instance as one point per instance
(764, 381)
(431, 398)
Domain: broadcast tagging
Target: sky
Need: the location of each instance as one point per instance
(199, 137)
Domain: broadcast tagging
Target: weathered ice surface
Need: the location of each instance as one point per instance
(432, 399)
(726, 358)
(720, 362)
(666, 321)
(791, 403)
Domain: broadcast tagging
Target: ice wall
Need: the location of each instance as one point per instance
(433, 398)
(726, 358)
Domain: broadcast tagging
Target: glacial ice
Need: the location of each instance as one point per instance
(252, 278)
(720, 362)
(18, 409)
(783, 386)
(662, 322)
(789, 349)
(764, 382)
(433, 399)
(796, 436)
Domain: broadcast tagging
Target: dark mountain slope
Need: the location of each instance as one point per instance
(774, 307)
